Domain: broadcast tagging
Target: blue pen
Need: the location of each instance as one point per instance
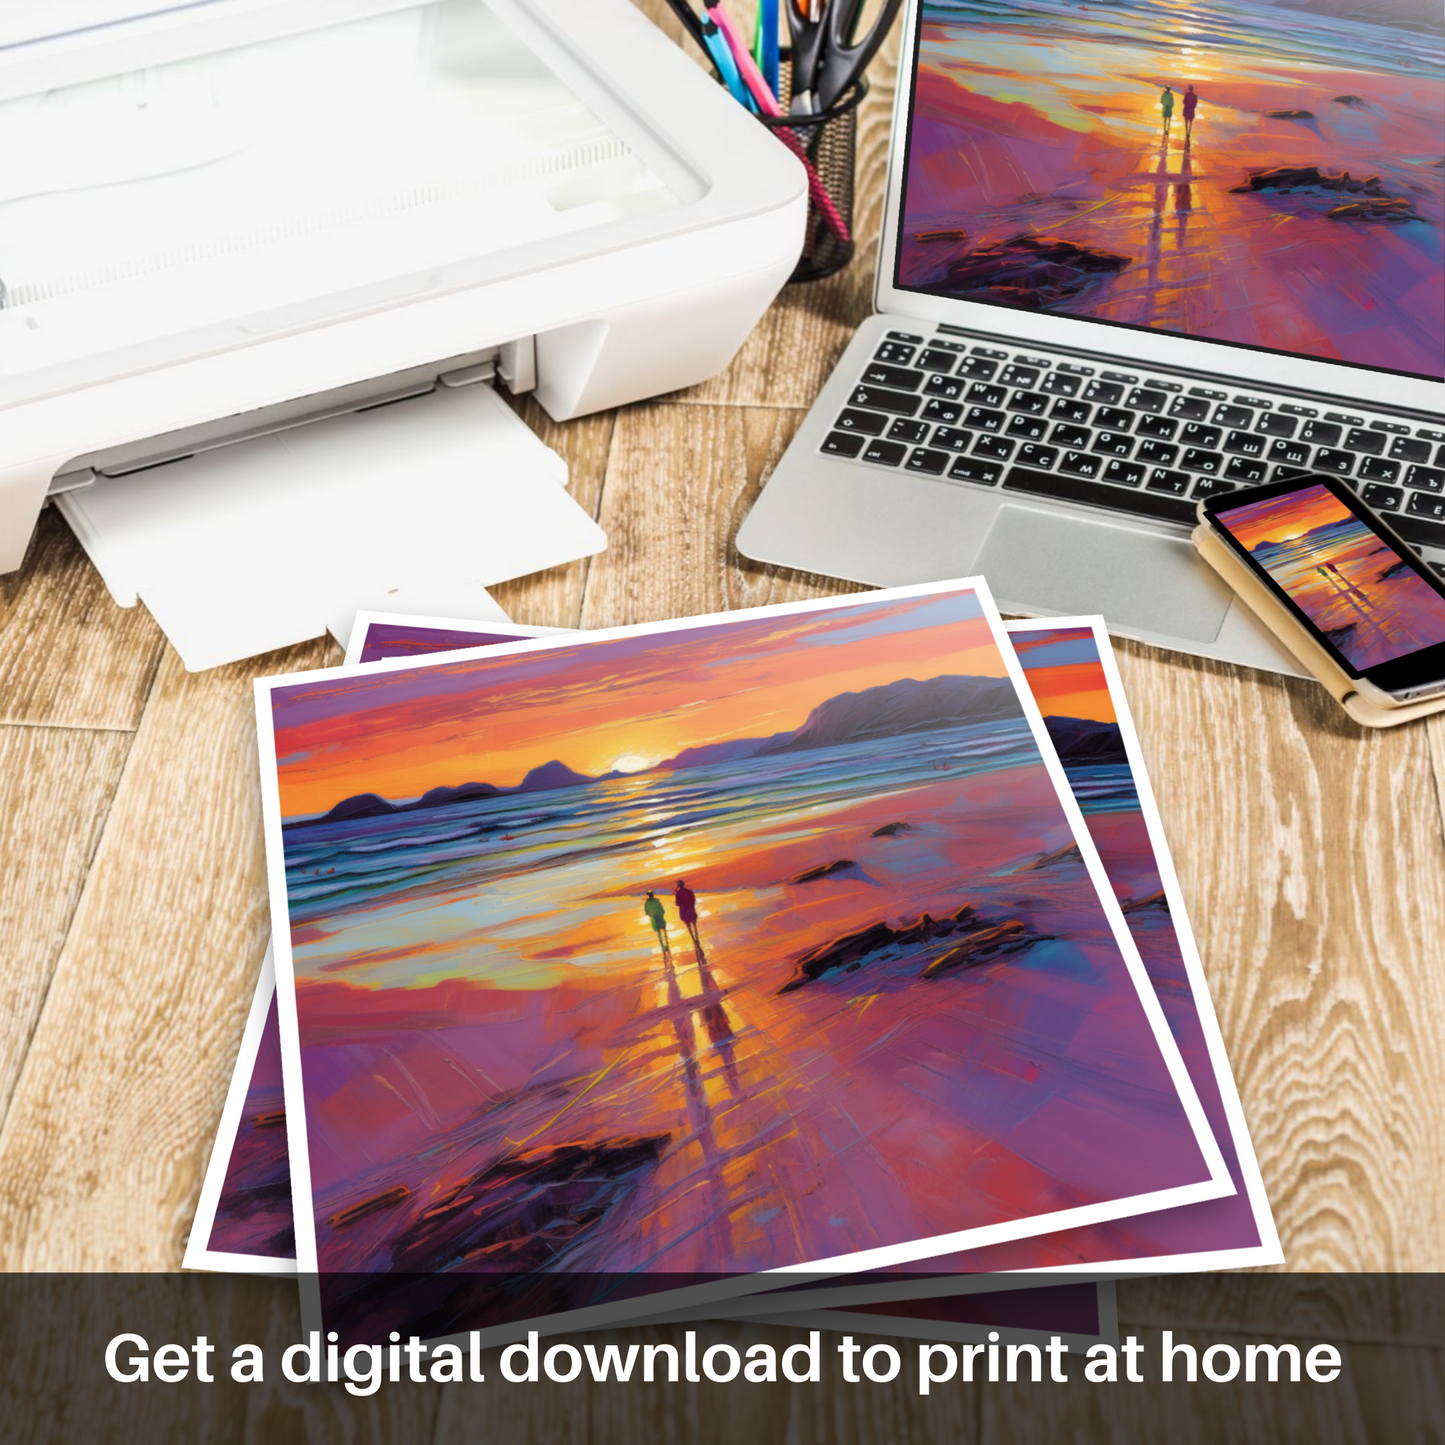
(722, 58)
(768, 50)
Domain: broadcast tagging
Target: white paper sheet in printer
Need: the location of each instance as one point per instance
(222, 221)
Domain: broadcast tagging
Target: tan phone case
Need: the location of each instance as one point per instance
(1297, 638)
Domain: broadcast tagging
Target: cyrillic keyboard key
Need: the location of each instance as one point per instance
(1377, 469)
(945, 411)
(972, 469)
(1382, 498)
(1195, 435)
(1014, 375)
(1156, 454)
(906, 430)
(1070, 436)
(1156, 426)
(948, 387)
(983, 419)
(1422, 504)
(995, 448)
(1037, 456)
(952, 438)
(1114, 418)
(1426, 479)
(1418, 531)
(1199, 460)
(1035, 403)
(1081, 464)
(1075, 411)
(1245, 469)
(1332, 459)
(876, 373)
(1124, 474)
(1371, 443)
(1030, 428)
(878, 398)
(1210, 487)
(1292, 454)
(886, 454)
(1161, 479)
(982, 394)
(867, 422)
(1098, 494)
(1245, 444)
(1112, 444)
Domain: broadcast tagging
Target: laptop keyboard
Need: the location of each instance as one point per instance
(1138, 444)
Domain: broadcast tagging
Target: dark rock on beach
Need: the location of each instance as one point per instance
(1338, 635)
(1398, 569)
(891, 830)
(1069, 853)
(1290, 114)
(985, 946)
(1376, 208)
(1349, 100)
(929, 238)
(823, 870)
(1030, 271)
(1150, 903)
(850, 951)
(1285, 180)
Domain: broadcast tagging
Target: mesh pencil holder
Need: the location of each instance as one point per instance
(827, 144)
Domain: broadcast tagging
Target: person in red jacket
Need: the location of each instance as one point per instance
(1191, 104)
(686, 901)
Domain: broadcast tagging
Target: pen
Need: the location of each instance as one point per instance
(765, 42)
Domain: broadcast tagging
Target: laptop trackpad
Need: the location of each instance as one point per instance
(1070, 565)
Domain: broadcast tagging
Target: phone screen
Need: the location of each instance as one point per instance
(1372, 603)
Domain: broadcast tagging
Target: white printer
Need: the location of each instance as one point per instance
(226, 223)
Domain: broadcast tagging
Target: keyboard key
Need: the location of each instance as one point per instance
(1016, 375)
(1037, 361)
(923, 459)
(1076, 370)
(1035, 403)
(1060, 383)
(1377, 469)
(1440, 457)
(991, 352)
(1418, 531)
(1070, 436)
(843, 444)
(1258, 402)
(878, 398)
(1371, 443)
(1407, 449)
(935, 360)
(905, 336)
(1065, 410)
(867, 422)
(1210, 395)
(994, 447)
(1107, 392)
(1195, 435)
(936, 410)
(948, 387)
(1036, 456)
(1245, 469)
(886, 454)
(1430, 434)
(1344, 418)
(877, 374)
(1156, 454)
(1393, 427)
(1321, 433)
(1112, 444)
(971, 469)
(953, 438)
(1426, 479)
(1289, 474)
(1081, 464)
(1236, 416)
(1099, 494)
(1155, 384)
(984, 395)
(1189, 408)
(977, 368)
(1161, 479)
(895, 353)
(1113, 418)
(1128, 378)
(1423, 505)
(1272, 424)
(1244, 444)
(1156, 426)
(1199, 460)
(958, 347)
(983, 419)
(1126, 474)
(1293, 410)
(1292, 454)
(1210, 487)
(1382, 498)
(1332, 459)
(1145, 398)
(1031, 428)
(905, 430)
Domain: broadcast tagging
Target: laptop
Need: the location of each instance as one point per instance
(1132, 257)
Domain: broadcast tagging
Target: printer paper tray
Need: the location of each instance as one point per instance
(417, 506)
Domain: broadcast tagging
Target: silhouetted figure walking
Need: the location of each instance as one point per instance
(1191, 104)
(657, 917)
(686, 901)
(1166, 107)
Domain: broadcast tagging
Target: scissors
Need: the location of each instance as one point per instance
(828, 56)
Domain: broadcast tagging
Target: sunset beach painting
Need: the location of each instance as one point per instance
(1264, 172)
(1368, 601)
(706, 949)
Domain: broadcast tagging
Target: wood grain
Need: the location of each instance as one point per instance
(69, 657)
(112, 1116)
(56, 786)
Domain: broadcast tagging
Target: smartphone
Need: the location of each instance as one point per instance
(1339, 569)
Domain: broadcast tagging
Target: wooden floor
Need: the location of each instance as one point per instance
(133, 909)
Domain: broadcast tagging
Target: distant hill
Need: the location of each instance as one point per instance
(891, 710)
(1085, 740)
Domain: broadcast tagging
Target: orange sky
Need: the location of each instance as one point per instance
(633, 701)
(1276, 518)
(1074, 690)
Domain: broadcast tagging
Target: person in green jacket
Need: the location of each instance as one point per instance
(657, 917)
(1166, 107)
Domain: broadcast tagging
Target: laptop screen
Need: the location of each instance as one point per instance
(1266, 173)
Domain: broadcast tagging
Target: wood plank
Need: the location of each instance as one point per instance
(1311, 856)
(554, 598)
(679, 481)
(69, 657)
(102, 1149)
(56, 786)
